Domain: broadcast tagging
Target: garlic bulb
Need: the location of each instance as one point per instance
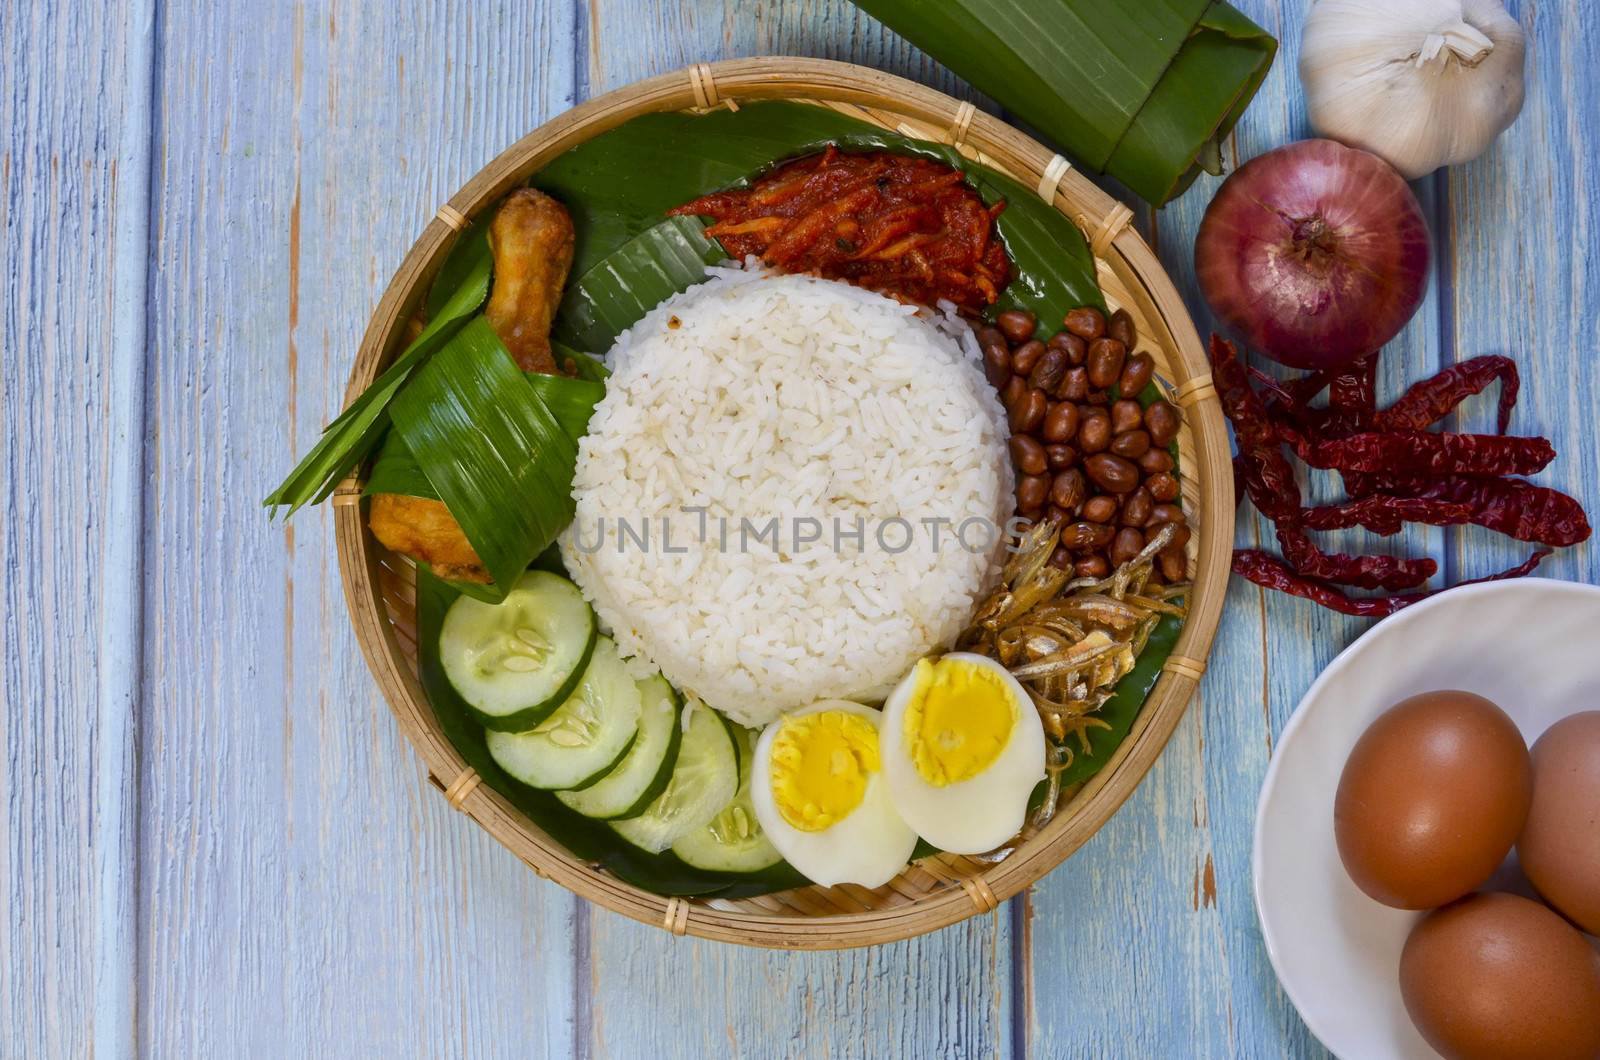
(1420, 83)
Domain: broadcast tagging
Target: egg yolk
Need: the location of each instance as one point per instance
(958, 720)
(820, 767)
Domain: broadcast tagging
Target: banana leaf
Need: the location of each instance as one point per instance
(493, 448)
(592, 841)
(395, 470)
(571, 401)
(587, 367)
(633, 279)
(1142, 90)
(457, 292)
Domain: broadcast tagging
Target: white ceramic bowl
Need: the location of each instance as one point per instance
(1530, 646)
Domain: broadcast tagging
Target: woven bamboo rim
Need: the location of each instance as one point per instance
(935, 892)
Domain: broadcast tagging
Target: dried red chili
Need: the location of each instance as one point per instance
(1270, 483)
(1510, 506)
(1242, 405)
(1270, 572)
(902, 224)
(1431, 400)
(1385, 514)
(1390, 573)
(1395, 470)
(1353, 396)
(1423, 452)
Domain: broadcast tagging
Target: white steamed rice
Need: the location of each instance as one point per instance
(756, 396)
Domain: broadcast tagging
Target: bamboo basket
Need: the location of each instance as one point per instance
(934, 892)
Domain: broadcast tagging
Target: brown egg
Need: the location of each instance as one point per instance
(1560, 844)
(1499, 976)
(1431, 799)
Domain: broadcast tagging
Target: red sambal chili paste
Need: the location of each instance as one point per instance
(909, 227)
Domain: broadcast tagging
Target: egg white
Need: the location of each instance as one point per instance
(869, 846)
(973, 815)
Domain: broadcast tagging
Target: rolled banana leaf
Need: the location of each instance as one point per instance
(1141, 90)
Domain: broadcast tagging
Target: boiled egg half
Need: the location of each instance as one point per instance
(818, 790)
(963, 748)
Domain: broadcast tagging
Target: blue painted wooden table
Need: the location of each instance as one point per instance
(215, 841)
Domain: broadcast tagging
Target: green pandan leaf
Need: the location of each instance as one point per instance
(460, 288)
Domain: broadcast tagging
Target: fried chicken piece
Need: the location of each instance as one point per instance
(427, 532)
(532, 240)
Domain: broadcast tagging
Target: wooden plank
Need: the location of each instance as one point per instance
(114, 836)
(305, 892)
(1150, 931)
(71, 167)
(653, 995)
(1523, 217)
(947, 994)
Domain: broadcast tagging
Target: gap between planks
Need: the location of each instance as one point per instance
(114, 827)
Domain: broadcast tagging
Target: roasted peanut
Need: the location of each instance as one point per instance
(1136, 508)
(997, 364)
(1126, 545)
(1094, 431)
(1024, 357)
(988, 335)
(1031, 492)
(1162, 421)
(1125, 416)
(1111, 473)
(1074, 347)
(1068, 489)
(1164, 513)
(1080, 537)
(1048, 370)
(1061, 422)
(1120, 327)
(1131, 444)
(1012, 392)
(1155, 462)
(1028, 412)
(1137, 371)
(1092, 567)
(1105, 362)
(1100, 509)
(1028, 455)
(1163, 486)
(1074, 385)
(1173, 564)
(1086, 322)
(1017, 324)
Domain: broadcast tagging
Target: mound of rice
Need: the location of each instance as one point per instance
(755, 396)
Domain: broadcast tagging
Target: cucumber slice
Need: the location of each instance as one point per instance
(515, 662)
(628, 789)
(705, 777)
(733, 841)
(585, 738)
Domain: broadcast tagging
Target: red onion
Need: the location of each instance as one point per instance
(1314, 254)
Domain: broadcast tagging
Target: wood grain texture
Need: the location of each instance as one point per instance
(304, 890)
(300, 888)
(1522, 220)
(61, 198)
